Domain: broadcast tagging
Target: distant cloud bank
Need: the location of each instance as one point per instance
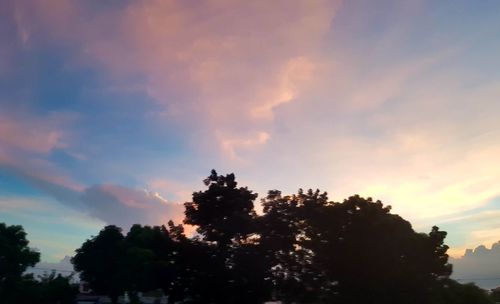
(481, 266)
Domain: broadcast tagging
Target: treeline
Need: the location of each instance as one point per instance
(302, 249)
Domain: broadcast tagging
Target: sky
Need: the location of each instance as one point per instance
(113, 112)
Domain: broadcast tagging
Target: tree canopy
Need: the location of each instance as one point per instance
(223, 213)
(302, 248)
(15, 255)
(16, 287)
(100, 262)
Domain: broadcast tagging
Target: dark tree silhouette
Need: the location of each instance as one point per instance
(100, 262)
(223, 213)
(456, 293)
(15, 257)
(155, 258)
(302, 249)
(364, 254)
(495, 294)
(350, 252)
(285, 226)
(55, 288)
(142, 246)
(279, 230)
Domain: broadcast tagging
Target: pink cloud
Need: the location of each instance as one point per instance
(231, 145)
(26, 140)
(234, 62)
(30, 134)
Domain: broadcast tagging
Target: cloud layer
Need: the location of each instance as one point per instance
(223, 65)
(480, 266)
(112, 204)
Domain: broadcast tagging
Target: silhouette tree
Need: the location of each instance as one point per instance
(100, 262)
(495, 294)
(350, 252)
(15, 257)
(223, 213)
(284, 227)
(302, 249)
(456, 293)
(46, 289)
(234, 271)
(361, 253)
(140, 258)
(55, 288)
(155, 259)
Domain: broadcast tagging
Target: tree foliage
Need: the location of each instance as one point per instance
(223, 213)
(303, 248)
(15, 257)
(495, 294)
(100, 262)
(46, 289)
(351, 252)
(456, 293)
(226, 221)
(16, 287)
(49, 288)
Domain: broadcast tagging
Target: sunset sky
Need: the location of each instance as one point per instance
(112, 112)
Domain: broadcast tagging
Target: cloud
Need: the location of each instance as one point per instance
(177, 191)
(26, 133)
(112, 204)
(296, 72)
(426, 146)
(26, 144)
(231, 145)
(124, 207)
(223, 65)
(480, 265)
(8, 205)
(27, 141)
